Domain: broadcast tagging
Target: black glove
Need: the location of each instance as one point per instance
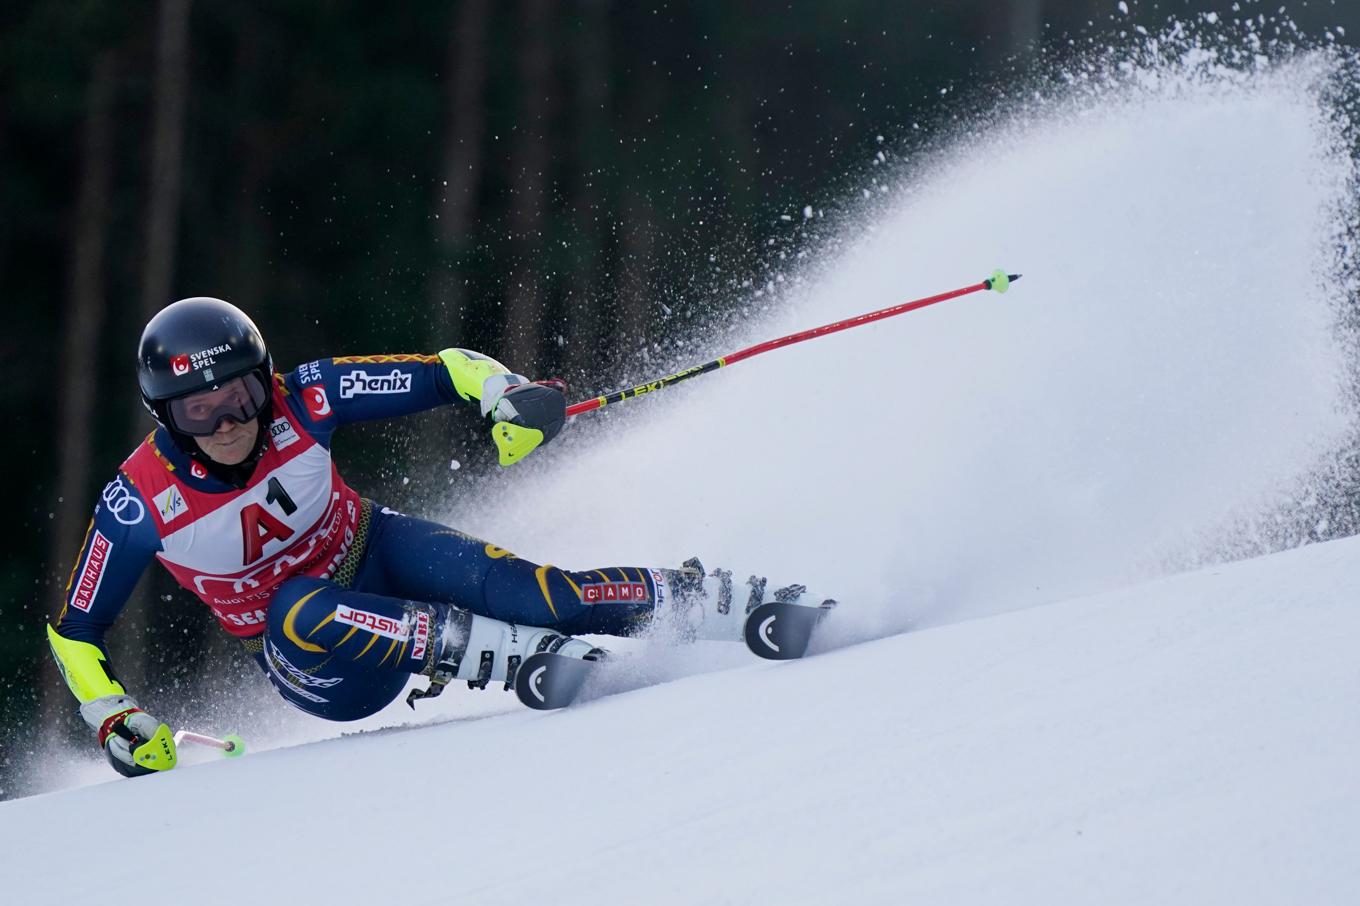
(537, 411)
(541, 405)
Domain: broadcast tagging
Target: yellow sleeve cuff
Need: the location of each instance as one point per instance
(470, 370)
(84, 667)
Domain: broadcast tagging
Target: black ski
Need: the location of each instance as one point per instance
(780, 631)
(775, 630)
(548, 681)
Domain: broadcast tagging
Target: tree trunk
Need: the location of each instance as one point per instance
(590, 119)
(529, 164)
(167, 153)
(456, 196)
(158, 257)
(244, 270)
(639, 232)
(79, 354)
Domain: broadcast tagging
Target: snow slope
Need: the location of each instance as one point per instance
(1192, 740)
(1168, 368)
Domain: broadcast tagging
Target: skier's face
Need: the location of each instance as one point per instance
(232, 442)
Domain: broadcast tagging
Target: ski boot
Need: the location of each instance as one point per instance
(482, 650)
(695, 604)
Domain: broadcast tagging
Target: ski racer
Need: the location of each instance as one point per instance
(338, 599)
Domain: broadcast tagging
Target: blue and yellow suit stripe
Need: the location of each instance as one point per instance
(344, 653)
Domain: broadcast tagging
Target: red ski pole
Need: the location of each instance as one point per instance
(999, 281)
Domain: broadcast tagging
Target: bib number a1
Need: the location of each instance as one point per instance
(259, 526)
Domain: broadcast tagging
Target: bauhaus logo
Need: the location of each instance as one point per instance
(87, 584)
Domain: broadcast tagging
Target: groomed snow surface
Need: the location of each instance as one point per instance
(1192, 740)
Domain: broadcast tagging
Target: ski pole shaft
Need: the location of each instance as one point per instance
(999, 281)
(231, 746)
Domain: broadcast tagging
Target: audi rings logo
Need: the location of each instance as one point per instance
(126, 508)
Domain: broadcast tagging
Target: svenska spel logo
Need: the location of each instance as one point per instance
(318, 406)
(180, 364)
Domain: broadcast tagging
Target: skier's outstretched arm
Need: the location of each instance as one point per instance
(119, 544)
(336, 391)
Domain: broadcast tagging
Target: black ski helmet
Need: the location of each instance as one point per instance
(197, 344)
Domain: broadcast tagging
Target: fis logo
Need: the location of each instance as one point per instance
(373, 622)
(361, 382)
(180, 364)
(318, 406)
(597, 592)
(170, 503)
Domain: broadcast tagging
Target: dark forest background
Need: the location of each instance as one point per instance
(562, 185)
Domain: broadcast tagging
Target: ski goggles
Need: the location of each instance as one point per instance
(198, 414)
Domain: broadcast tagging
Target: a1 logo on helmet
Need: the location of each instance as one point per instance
(179, 364)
